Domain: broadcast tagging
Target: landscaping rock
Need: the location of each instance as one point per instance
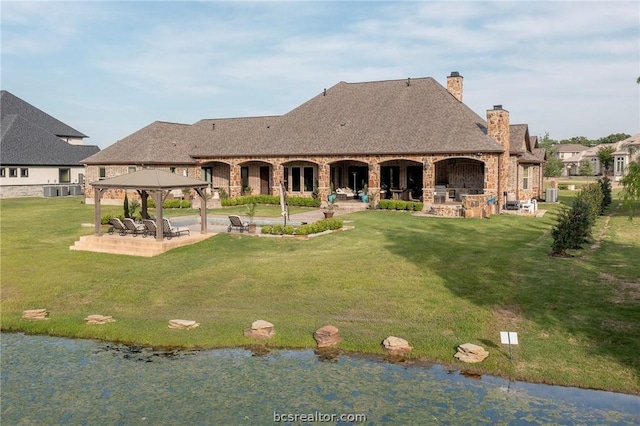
(183, 324)
(98, 319)
(396, 346)
(471, 353)
(260, 329)
(327, 336)
(35, 314)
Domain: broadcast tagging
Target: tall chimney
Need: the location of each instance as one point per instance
(498, 129)
(454, 85)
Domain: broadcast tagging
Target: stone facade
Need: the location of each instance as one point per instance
(487, 178)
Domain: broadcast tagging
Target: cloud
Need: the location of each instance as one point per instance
(565, 67)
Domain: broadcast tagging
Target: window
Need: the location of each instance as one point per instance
(132, 169)
(172, 169)
(13, 172)
(308, 179)
(525, 177)
(244, 178)
(24, 173)
(619, 165)
(3, 172)
(207, 174)
(295, 179)
(102, 173)
(65, 175)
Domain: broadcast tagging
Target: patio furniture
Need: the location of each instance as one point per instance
(173, 231)
(440, 194)
(133, 228)
(511, 203)
(345, 193)
(237, 223)
(117, 225)
(530, 206)
(149, 227)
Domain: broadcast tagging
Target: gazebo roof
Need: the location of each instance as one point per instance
(150, 179)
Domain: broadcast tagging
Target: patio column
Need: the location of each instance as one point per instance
(374, 182)
(235, 181)
(428, 182)
(158, 198)
(202, 192)
(324, 184)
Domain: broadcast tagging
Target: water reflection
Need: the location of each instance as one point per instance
(64, 381)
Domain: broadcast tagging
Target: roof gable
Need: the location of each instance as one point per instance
(25, 143)
(12, 105)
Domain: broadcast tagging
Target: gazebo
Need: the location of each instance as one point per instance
(158, 184)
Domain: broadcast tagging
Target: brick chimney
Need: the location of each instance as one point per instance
(454, 85)
(498, 129)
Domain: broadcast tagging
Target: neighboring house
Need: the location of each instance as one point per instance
(39, 155)
(403, 138)
(565, 151)
(625, 151)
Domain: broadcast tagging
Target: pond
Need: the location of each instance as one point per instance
(50, 380)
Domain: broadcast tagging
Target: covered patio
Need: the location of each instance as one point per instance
(147, 182)
(157, 184)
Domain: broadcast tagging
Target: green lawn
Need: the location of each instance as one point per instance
(436, 282)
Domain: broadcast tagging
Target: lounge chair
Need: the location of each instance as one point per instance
(149, 227)
(133, 228)
(173, 231)
(237, 223)
(117, 225)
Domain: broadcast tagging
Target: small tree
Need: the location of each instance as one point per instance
(630, 193)
(126, 205)
(586, 168)
(553, 166)
(605, 155)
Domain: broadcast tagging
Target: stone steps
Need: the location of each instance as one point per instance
(133, 246)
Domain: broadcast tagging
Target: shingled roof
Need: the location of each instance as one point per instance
(26, 142)
(417, 116)
(13, 105)
(158, 143)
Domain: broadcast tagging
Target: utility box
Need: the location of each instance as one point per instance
(63, 191)
(75, 190)
(50, 191)
(551, 195)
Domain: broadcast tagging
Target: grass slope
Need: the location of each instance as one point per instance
(436, 282)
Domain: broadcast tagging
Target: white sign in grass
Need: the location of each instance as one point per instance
(509, 338)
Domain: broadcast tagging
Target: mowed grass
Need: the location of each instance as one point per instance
(436, 282)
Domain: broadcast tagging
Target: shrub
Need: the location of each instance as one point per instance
(383, 204)
(277, 229)
(418, 206)
(605, 187)
(170, 204)
(563, 186)
(266, 229)
(592, 195)
(288, 230)
(573, 228)
(401, 205)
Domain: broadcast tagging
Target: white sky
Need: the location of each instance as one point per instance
(110, 68)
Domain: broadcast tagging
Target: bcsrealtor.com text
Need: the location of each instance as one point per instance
(319, 417)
